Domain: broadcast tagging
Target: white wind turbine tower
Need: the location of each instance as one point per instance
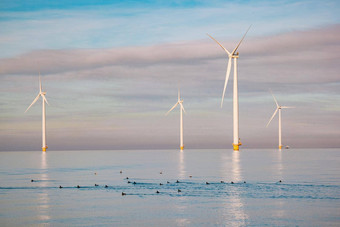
(278, 108)
(180, 102)
(42, 94)
(233, 55)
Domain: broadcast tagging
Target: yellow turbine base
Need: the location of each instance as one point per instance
(44, 148)
(182, 147)
(236, 148)
(280, 147)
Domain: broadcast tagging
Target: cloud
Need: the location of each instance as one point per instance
(299, 57)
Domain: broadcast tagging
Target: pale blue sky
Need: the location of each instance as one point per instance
(111, 72)
(40, 25)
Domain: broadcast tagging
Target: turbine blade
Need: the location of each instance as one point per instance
(182, 107)
(240, 41)
(226, 79)
(272, 116)
(179, 94)
(277, 104)
(171, 108)
(40, 87)
(219, 44)
(36, 98)
(287, 107)
(43, 96)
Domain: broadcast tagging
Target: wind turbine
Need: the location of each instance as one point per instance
(42, 94)
(278, 108)
(180, 102)
(233, 55)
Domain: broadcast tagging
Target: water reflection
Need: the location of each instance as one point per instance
(279, 164)
(280, 212)
(43, 199)
(181, 200)
(234, 213)
(181, 165)
(236, 174)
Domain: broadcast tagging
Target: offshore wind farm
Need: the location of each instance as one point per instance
(118, 155)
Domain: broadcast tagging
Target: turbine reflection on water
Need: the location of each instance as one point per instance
(43, 198)
(280, 213)
(234, 207)
(181, 221)
(181, 166)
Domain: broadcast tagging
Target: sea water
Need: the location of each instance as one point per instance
(217, 188)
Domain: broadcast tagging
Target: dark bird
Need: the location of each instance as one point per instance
(280, 181)
(160, 184)
(207, 183)
(244, 182)
(157, 191)
(232, 182)
(161, 172)
(179, 190)
(78, 186)
(167, 182)
(60, 186)
(129, 182)
(106, 186)
(177, 181)
(134, 182)
(127, 178)
(123, 193)
(190, 176)
(120, 172)
(96, 185)
(32, 180)
(95, 173)
(222, 181)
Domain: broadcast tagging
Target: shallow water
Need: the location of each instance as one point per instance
(309, 194)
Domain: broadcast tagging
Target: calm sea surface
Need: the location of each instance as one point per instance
(309, 194)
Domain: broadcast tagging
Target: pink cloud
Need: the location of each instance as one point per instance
(289, 50)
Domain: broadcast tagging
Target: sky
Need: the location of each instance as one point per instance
(111, 70)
